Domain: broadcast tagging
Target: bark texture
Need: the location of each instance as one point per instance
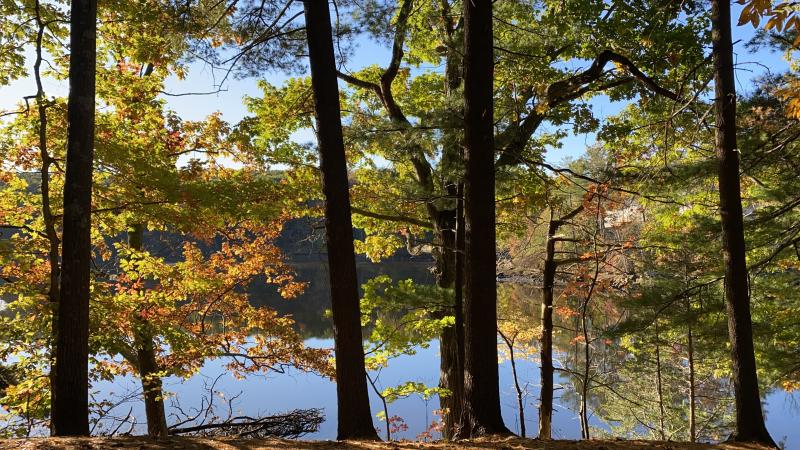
(749, 417)
(546, 369)
(53, 241)
(692, 387)
(481, 413)
(546, 341)
(152, 386)
(355, 418)
(70, 415)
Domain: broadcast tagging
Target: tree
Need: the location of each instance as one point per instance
(408, 113)
(355, 419)
(152, 389)
(749, 416)
(551, 265)
(71, 395)
(481, 414)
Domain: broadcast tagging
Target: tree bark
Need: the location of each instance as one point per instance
(659, 387)
(152, 386)
(48, 218)
(546, 343)
(355, 418)
(749, 417)
(692, 387)
(459, 306)
(451, 368)
(452, 338)
(70, 414)
(481, 380)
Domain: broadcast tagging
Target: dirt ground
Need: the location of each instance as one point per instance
(140, 443)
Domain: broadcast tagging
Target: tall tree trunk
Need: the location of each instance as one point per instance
(49, 220)
(71, 403)
(546, 342)
(452, 338)
(749, 417)
(659, 387)
(459, 289)
(459, 285)
(152, 387)
(481, 380)
(355, 418)
(587, 356)
(584, 412)
(692, 388)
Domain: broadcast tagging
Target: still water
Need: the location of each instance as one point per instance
(277, 393)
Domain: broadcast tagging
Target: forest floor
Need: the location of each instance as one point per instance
(140, 443)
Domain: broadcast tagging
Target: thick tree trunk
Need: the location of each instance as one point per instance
(71, 403)
(355, 418)
(481, 381)
(749, 417)
(152, 387)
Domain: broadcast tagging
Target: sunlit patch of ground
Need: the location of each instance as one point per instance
(140, 443)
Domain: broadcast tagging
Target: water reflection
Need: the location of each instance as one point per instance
(277, 393)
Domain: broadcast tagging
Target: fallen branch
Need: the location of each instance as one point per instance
(291, 425)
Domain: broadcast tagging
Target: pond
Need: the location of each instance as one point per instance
(277, 393)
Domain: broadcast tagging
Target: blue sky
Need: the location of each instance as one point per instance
(229, 100)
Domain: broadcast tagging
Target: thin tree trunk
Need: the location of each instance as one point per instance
(659, 387)
(520, 398)
(481, 380)
(459, 280)
(546, 343)
(152, 387)
(586, 349)
(355, 418)
(586, 363)
(452, 363)
(71, 402)
(692, 393)
(451, 274)
(385, 407)
(450, 367)
(49, 220)
(585, 376)
(749, 416)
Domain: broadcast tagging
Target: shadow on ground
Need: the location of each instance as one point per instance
(141, 443)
